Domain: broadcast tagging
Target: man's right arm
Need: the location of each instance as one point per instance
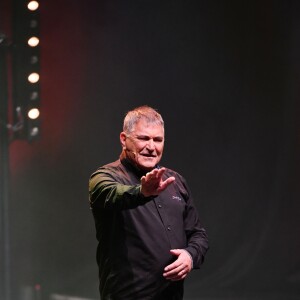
(106, 193)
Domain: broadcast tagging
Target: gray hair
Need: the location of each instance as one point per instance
(143, 112)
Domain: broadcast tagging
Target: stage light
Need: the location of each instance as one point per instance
(33, 41)
(34, 95)
(33, 77)
(33, 23)
(33, 113)
(34, 59)
(26, 66)
(33, 5)
(34, 132)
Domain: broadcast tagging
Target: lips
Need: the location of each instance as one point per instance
(148, 155)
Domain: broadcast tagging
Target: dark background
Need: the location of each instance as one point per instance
(225, 76)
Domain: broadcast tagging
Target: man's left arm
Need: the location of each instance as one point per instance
(197, 244)
(187, 259)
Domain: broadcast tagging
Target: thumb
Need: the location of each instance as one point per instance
(176, 252)
(166, 183)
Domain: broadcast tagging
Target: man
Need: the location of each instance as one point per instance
(148, 229)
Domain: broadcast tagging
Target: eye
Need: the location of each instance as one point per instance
(143, 138)
(158, 139)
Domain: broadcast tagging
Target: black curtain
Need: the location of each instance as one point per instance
(224, 75)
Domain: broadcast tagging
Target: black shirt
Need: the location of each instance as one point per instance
(136, 233)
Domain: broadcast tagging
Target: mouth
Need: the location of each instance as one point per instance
(148, 155)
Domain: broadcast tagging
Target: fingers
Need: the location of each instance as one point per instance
(166, 183)
(180, 268)
(152, 183)
(156, 174)
(152, 179)
(177, 273)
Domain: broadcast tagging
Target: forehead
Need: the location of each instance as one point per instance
(148, 128)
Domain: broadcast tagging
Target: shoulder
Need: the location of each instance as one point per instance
(110, 168)
(180, 184)
(170, 172)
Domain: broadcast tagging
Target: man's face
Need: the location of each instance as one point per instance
(144, 146)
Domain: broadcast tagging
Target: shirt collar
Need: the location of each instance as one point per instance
(134, 168)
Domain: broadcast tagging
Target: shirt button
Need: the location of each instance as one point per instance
(159, 205)
(169, 228)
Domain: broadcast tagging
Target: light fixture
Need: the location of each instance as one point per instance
(33, 113)
(34, 95)
(33, 77)
(26, 66)
(33, 41)
(34, 132)
(34, 59)
(33, 5)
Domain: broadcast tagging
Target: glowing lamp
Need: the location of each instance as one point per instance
(33, 113)
(33, 5)
(33, 41)
(33, 77)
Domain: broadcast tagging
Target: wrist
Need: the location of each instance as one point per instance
(145, 194)
(189, 254)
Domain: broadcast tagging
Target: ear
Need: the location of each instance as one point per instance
(123, 139)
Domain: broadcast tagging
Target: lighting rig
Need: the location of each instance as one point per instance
(19, 108)
(26, 70)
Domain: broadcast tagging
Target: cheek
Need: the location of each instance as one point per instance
(160, 149)
(138, 146)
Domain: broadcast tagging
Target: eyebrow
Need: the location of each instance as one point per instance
(148, 137)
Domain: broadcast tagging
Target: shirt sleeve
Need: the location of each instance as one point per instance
(197, 240)
(107, 193)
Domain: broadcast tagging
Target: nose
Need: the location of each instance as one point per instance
(150, 145)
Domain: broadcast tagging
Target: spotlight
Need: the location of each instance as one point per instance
(33, 113)
(34, 95)
(33, 41)
(33, 23)
(34, 132)
(33, 5)
(33, 77)
(26, 66)
(34, 59)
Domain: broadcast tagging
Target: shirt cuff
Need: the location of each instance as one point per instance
(189, 254)
(144, 197)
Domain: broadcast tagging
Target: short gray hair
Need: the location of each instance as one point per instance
(143, 112)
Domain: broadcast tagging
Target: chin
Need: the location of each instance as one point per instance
(148, 166)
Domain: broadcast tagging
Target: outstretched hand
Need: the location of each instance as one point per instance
(152, 183)
(180, 268)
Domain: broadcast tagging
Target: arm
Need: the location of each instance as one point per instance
(197, 238)
(197, 243)
(196, 234)
(187, 259)
(107, 192)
